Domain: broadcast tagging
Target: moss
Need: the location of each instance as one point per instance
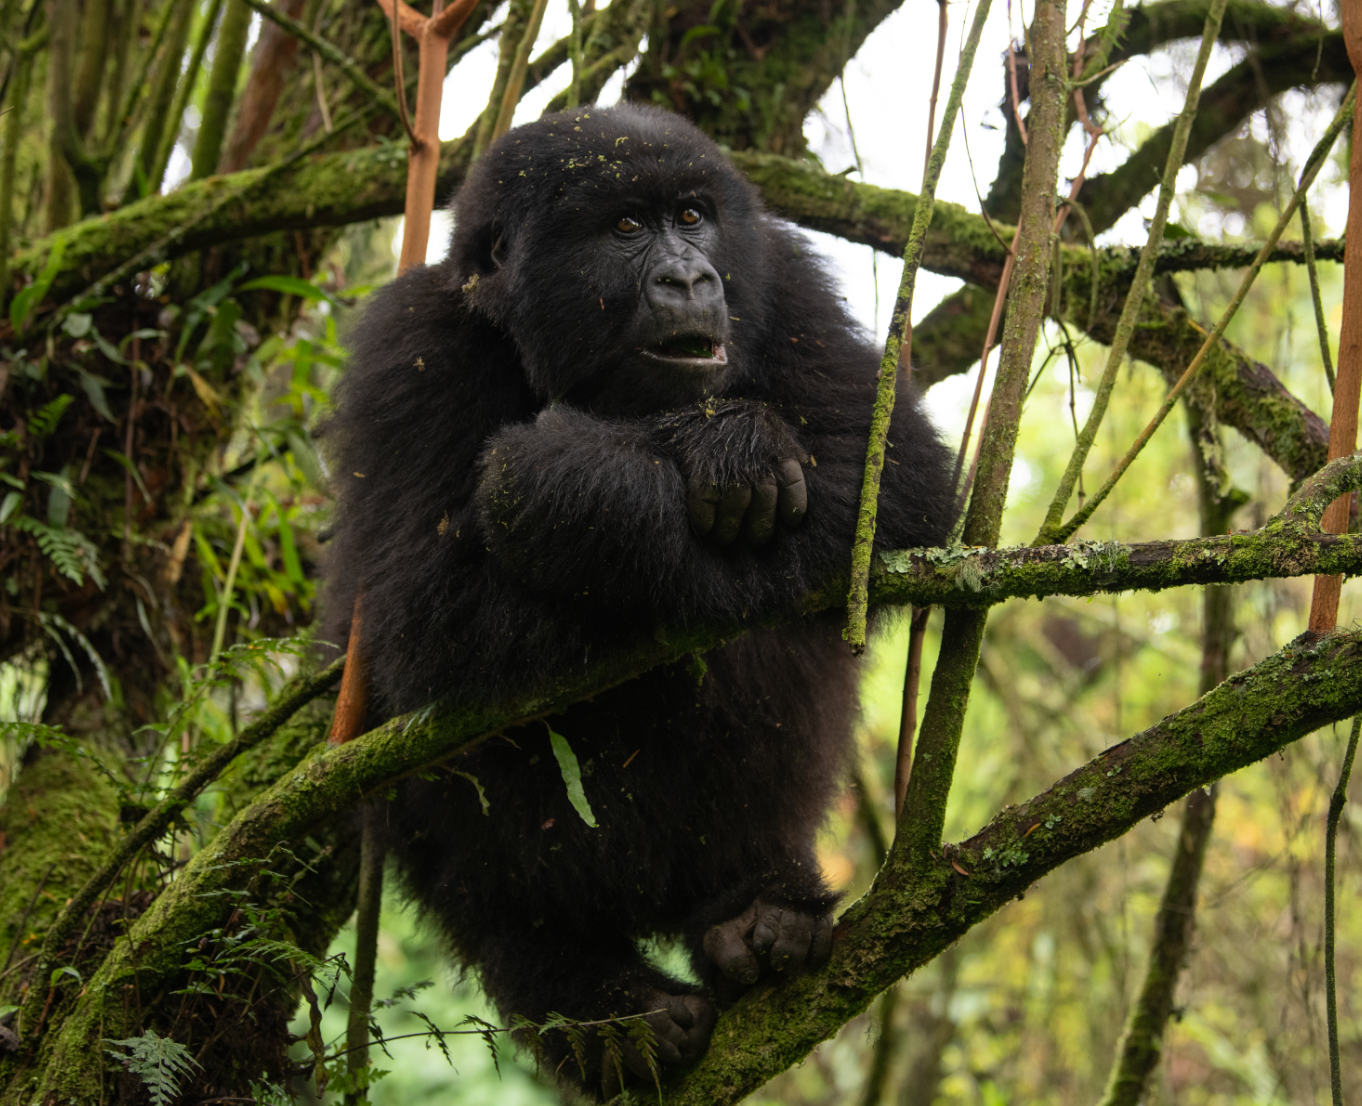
(57, 824)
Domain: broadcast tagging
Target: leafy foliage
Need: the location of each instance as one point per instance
(158, 1061)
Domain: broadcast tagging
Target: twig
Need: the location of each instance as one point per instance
(912, 681)
(1336, 802)
(330, 52)
(183, 91)
(516, 81)
(898, 345)
(575, 53)
(1308, 243)
(1348, 384)
(400, 86)
(1139, 286)
(367, 913)
(942, 26)
(923, 818)
(1316, 161)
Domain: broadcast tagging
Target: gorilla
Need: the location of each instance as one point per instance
(629, 402)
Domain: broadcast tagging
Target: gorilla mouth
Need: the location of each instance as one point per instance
(690, 347)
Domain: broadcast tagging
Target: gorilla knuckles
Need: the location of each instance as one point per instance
(629, 400)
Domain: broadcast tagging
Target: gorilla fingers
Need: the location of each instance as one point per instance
(742, 471)
(752, 510)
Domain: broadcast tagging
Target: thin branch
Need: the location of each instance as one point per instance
(899, 343)
(943, 21)
(924, 809)
(1336, 804)
(330, 52)
(1348, 387)
(515, 81)
(183, 91)
(1139, 287)
(1313, 165)
(1308, 244)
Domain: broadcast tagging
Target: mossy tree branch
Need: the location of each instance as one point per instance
(329, 780)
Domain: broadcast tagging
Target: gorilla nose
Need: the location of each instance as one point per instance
(684, 282)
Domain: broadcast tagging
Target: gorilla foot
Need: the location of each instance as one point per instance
(780, 936)
(680, 1025)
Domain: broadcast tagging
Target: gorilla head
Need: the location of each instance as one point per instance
(628, 210)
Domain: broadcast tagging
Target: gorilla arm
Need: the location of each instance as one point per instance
(697, 513)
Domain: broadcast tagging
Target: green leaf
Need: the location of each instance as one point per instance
(572, 776)
(288, 550)
(27, 301)
(94, 392)
(482, 795)
(42, 422)
(77, 325)
(11, 501)
(294, 286)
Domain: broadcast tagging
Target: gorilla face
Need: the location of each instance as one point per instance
(624, 228)
(681, 323)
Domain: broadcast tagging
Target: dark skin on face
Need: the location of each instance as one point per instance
(679, 331)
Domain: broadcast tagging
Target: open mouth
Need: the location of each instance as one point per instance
(691, 348)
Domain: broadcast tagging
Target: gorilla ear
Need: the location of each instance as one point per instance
(497, 254)
(488, 248)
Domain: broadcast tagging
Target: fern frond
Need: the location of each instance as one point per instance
(159, 1062)
(71, 551)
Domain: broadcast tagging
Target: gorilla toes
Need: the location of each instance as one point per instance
(780, 936)
(681, 1026)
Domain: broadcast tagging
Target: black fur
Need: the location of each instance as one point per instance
(513, 479)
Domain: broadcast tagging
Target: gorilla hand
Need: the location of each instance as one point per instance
(724, 512)
(742, 472)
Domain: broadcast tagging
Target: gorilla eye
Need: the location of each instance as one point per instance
(690, 216)
(628, 225)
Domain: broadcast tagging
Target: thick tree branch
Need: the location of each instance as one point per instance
(332, 779)
(1309, 61)
(904, 922)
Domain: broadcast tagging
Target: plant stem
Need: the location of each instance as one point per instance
(367, 913)
(1308, 243)
(225, 600)
(1144, 272)
(899, 343)
(222, 82)
(512, 30)
(912, 681)
(183, 92)
(1142, 1042)
(1348, 385)
(1312, 168)
(924, 810)
(575, 53)
(163, 94)
(14, 123)
(1336, 802)
(516, 80)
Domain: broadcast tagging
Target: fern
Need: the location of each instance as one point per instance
(71, 551)
(158, 1061)
(43, 421)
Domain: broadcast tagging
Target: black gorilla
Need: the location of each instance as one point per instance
(629, 401)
